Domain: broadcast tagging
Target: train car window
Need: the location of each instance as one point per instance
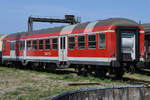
(17, 45)
(4, 45)
(71, 42)
(102, 40)
(47, 44)
(92, 41)
(54, 43)
(21, 45)
(34, 44)
(29, 45)
(41, 44)
(64, 43)
(12, 45)
(61, 43)
(81, 42)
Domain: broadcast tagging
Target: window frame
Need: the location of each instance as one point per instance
(47, 44)
(92, 41)
(20, 45)
(84, 41)
(72, 42)
(4, 45)
(14, 47)
(27, 45)
(40, 44)
(55, 43)
(99, 44)
(23, 44)
(34, 45)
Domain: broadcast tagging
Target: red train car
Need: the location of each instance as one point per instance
(102, 46)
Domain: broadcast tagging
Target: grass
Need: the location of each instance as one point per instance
(17, 84)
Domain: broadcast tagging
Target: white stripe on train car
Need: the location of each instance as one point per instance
(3, 36)
(33, 57)
(91, 32)
(90, 26)
(68, 29)
(43, 58)
(58, 36)
(11, 57)
(69, 58)
(96, 59)
(18, 57)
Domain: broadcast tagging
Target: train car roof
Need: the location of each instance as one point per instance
(2, 36)
(106, 22)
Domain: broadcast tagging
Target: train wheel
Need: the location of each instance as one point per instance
(131, 68)
(100, 73)
(13, 65)
(119, 72)
(50, 67)
(41, 67)
(31, 66)
(18, 65)
(82, 70)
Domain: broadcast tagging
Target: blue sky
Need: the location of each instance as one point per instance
(14, 13)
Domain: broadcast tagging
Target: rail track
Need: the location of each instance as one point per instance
(123, 79)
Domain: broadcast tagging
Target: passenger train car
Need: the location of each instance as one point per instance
(98, 47)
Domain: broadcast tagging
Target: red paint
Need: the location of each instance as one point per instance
(108, 52)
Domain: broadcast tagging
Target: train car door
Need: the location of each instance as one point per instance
(12, 49)
(63, 48)
(128, 44)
